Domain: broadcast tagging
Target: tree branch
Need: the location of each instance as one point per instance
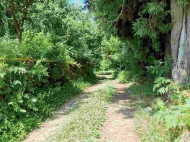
(120, 12)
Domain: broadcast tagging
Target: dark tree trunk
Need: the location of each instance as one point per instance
(180, 41)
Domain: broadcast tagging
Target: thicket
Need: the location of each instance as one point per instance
(51, 62)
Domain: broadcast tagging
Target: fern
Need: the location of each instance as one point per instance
(162, 85)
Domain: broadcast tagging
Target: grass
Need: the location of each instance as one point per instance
(84, 121)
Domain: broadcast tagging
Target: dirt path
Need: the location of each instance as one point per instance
(119, 126)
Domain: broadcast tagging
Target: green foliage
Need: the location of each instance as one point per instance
(141, 27)
(115, 51)
(26, 98)
(106, 12)
(96, 134)
(162, 85)
(145, 28)
(142, 89)
(152, 27)
(160, 69)
(105, 65)
(70, 27)
(124, 76)
(168, 123)
(62, 43)
(36, 45)
(110, 49)
(52, 64)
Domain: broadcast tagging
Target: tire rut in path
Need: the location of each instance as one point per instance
(119, 126)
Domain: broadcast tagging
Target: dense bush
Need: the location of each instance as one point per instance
(33, 82)
(53, 62)
(124, 76)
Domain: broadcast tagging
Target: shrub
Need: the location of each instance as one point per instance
(124, 76)
(105, 65)
(168, 122)
(162, 85)
(33, 82)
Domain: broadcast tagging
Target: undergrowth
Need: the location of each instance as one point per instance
(124, 76)
(36, 77)
(15, 127)
(145, 88)
(165, 122)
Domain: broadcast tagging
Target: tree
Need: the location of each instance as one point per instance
(70, 25)
(145, 24)
(17, 11)
(162, 33)
(180, 40)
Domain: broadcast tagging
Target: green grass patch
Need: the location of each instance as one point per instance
(85, 121)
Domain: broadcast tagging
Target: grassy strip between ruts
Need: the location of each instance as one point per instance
(84, 121)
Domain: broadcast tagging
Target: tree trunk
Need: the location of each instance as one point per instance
(19, 35)
(180, 41)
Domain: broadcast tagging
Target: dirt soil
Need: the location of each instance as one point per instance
(118, 127)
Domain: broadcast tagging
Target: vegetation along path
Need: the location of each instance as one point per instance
(88, 117)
